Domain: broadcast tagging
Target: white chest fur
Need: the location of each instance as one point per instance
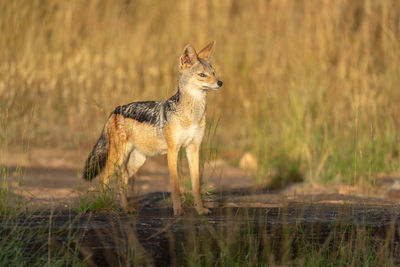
(189, 116)
(187, 135)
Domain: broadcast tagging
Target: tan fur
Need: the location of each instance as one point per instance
(131, 141)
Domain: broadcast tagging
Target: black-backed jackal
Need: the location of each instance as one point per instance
(141, 129)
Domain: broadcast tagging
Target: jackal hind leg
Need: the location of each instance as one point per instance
(126, 184)
(116, 163)
(109, 169)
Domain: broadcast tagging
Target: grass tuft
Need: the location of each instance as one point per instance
(97, 201)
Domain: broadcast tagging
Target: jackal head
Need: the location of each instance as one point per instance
(196, 72)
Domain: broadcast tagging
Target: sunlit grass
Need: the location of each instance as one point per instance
(310, 83)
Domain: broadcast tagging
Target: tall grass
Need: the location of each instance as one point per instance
(311, 85)
(25, 242)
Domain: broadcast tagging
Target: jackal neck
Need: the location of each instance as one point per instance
(192, 102)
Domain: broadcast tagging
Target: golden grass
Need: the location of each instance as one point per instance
(309, 85)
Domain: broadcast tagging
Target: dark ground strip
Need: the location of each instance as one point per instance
(161, 239)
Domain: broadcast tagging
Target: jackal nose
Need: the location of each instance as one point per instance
(219, 83)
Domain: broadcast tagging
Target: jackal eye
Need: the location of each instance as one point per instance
(202, 75)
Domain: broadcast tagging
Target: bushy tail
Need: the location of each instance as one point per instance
(97, 158)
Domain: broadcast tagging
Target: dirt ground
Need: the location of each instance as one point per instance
(51, 180)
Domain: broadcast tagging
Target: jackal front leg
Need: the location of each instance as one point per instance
(173, 174)
(192, 153)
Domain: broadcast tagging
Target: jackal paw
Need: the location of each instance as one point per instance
(179, 212)
(129, 209)
(203, 210)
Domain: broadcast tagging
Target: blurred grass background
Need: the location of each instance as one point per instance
(310, 87)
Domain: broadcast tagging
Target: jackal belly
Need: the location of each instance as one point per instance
(146, 138)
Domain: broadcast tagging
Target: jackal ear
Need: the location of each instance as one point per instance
(188, 58)
(207, 52)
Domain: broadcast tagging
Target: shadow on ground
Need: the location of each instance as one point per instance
(155, 237)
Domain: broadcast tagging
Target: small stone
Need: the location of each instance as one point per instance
(248, 162)
(394, 190)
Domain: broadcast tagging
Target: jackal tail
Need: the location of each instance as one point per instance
(97, 158)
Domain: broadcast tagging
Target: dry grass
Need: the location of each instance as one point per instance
(308, 85)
